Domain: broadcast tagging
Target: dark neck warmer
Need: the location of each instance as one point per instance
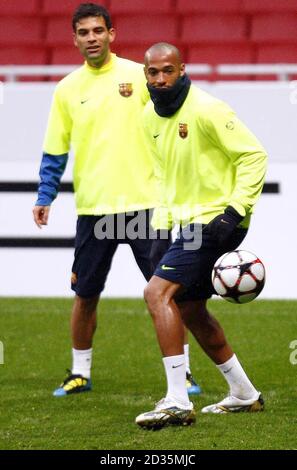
(168, 100)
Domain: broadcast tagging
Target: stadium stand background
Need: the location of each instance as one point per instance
(245, 32)
(37, 32)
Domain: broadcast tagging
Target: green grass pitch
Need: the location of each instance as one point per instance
(128, 378)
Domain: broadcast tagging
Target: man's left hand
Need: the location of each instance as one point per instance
(223, 225)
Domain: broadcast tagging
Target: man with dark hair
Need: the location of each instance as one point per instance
(85, 10)
(211, 171)
(96, 110)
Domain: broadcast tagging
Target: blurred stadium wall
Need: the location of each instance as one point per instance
(268, 108)
(254, 33)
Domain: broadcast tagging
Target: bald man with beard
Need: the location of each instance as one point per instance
(211, 170)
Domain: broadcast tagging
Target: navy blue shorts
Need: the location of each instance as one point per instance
(192, 267)
(93, 256)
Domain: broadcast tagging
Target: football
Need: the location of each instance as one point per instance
(238, 276)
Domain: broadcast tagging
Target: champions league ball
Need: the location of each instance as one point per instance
(238, 276)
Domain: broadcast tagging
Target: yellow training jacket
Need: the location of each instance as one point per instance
(205, 159)
(98, 113)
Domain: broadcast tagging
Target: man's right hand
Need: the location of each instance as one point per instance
(41, 214)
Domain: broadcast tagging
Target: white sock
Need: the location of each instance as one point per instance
(81, 362)
(187, 357)
(175, 369)
(239, 383)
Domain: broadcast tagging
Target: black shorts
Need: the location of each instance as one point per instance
(192, 267)
(93, 256)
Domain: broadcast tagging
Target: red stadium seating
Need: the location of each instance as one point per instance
(146, 7)
(18, 7)
(59, 32)
(66, 55)
(267, 6)
(134, 52)
(282, 54)
(213, 32)
(143, 29)
(131, 52)
(18, 31)
(211, 6)
(23, 55)
(64, 7)
(213, 28)
(221, 54)
(274, 28)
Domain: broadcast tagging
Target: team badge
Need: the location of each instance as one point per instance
(125, 89)
(183, 130)
(230, 125)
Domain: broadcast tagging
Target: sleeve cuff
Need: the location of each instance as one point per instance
(238, 207)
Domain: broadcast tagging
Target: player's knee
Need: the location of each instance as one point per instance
(86, 304)
(150, 294)
(153, 295)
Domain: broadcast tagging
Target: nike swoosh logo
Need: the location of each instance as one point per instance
(84, 101)
(224, 221)
(155, 136)
(166, 268)
(179, 365)
(228, 370)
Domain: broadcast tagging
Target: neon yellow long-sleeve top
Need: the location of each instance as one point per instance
(97, 113)
(205, 159)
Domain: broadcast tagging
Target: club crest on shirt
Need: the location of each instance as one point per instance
(183, 130)
(125, 89)
(230, 125)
